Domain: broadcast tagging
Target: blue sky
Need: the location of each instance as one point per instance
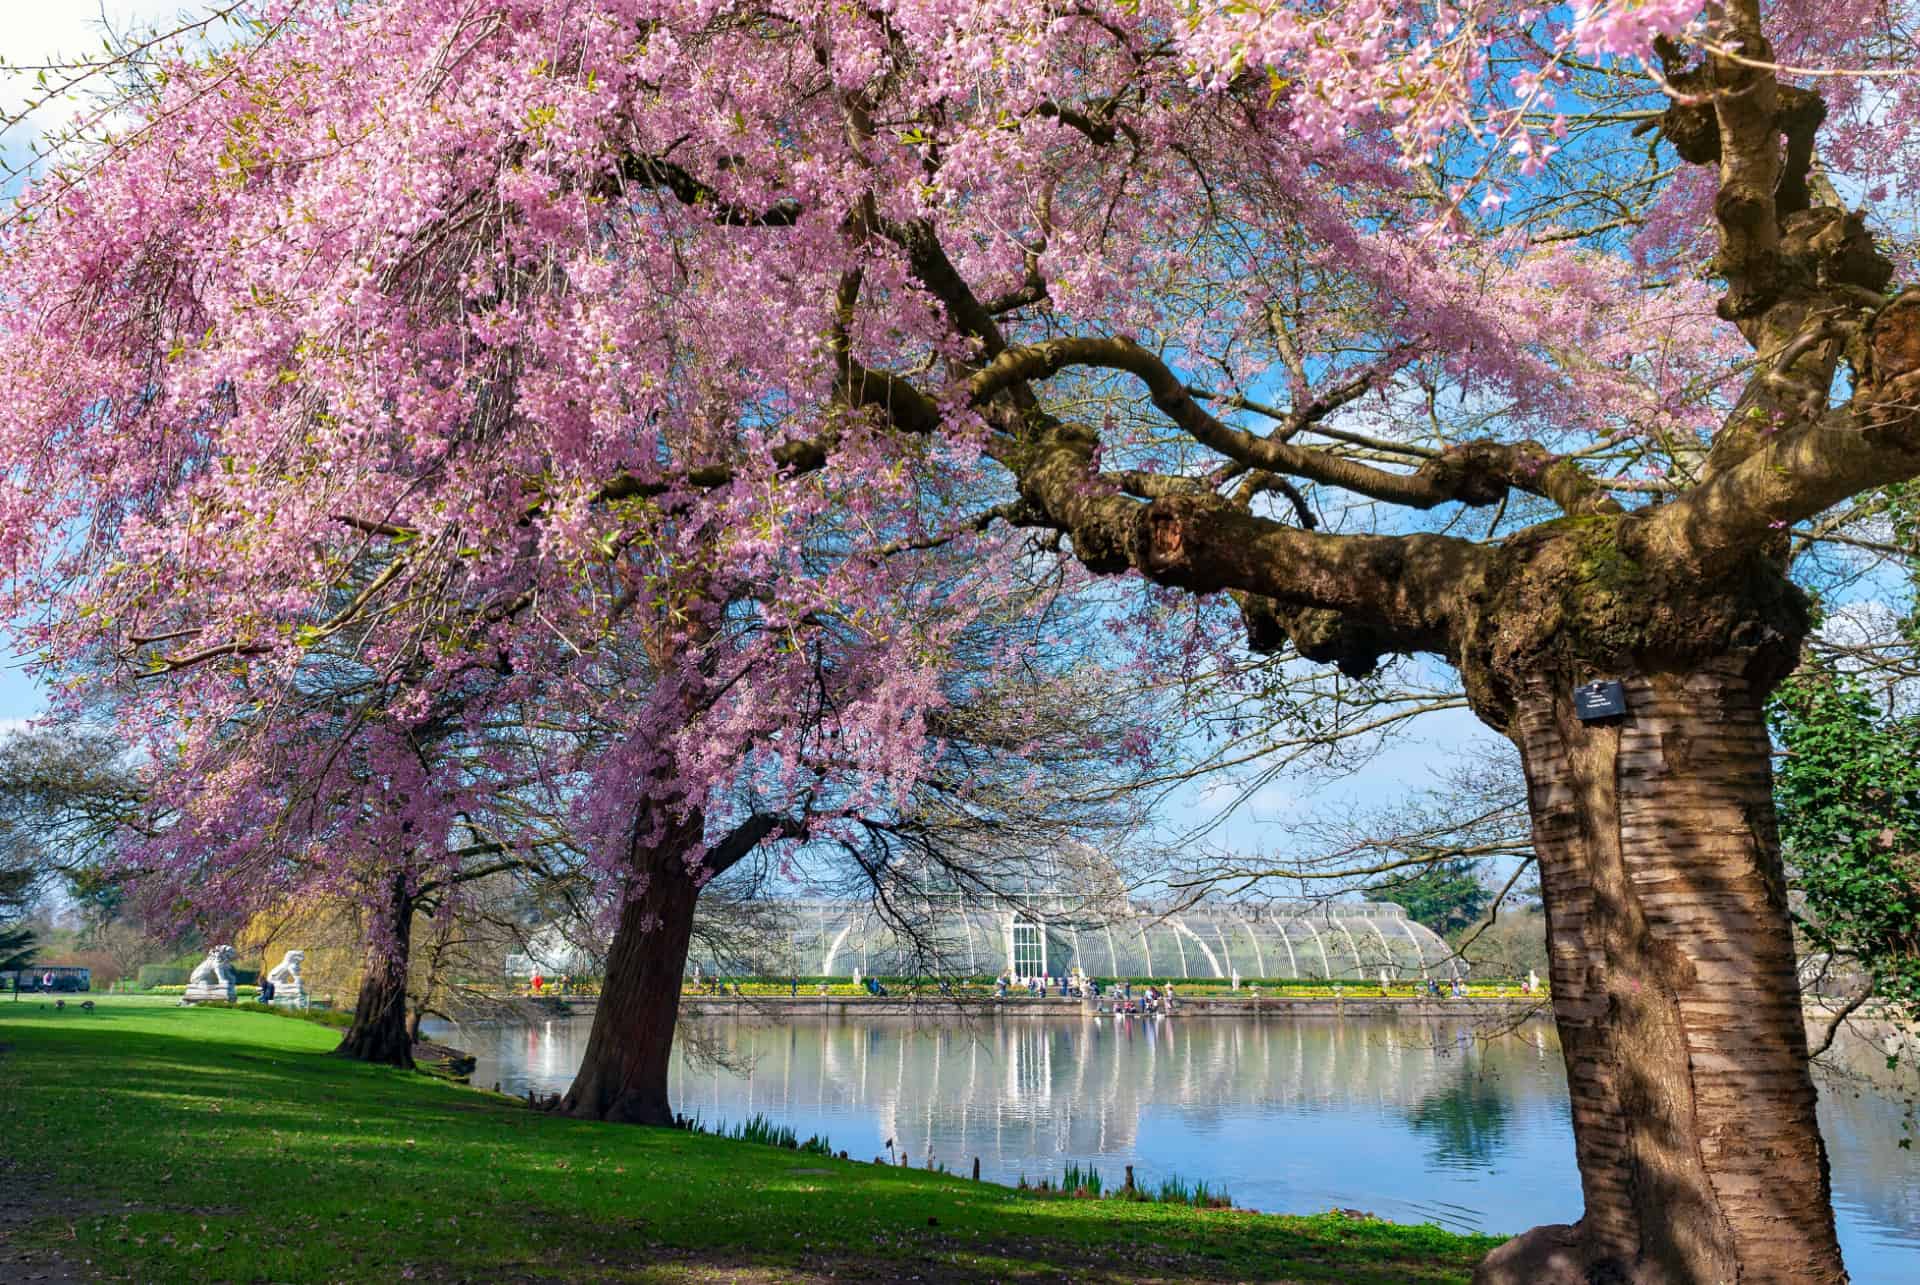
(19, 698)
(36, 31)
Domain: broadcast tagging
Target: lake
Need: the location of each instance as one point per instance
(1411, 1119)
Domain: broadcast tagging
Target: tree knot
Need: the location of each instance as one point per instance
(1479, 473)
(1171, 533)
(1353, 645)
(1834, 247)
(1887, 360)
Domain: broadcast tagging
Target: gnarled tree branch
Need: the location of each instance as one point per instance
(1474, 473)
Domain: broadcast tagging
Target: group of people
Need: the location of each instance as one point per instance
(1077, 985)
(1457, 988)
(1072, 986)
(539, 985)
(1152, 1001)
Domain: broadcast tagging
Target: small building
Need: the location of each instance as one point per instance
(48, 978)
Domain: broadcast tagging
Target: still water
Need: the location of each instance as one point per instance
(1414, 1120)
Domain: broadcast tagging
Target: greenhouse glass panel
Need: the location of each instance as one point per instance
(1029, 957)
(1039, 934)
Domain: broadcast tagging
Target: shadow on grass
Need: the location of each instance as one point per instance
(234, 1148)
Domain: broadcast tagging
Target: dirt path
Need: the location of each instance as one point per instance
(18, 1264)
(26, 1202)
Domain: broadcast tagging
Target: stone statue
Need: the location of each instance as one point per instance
(213, 978)
(288, 986)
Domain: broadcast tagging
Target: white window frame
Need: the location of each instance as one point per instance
(1033, 961)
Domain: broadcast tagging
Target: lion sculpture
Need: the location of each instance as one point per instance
(212, 978)
(288, 986)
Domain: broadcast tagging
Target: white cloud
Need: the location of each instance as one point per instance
(36, 28)
(34, 33)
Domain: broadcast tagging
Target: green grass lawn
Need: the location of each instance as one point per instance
(166, 1144)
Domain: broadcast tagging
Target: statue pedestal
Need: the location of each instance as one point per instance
(199, 991)
(289, 991)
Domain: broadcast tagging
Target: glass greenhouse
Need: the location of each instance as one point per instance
(1046, 935)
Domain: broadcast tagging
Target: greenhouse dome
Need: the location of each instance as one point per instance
(555, 951)
(1041, 934)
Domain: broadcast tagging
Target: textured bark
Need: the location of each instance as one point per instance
(1675, 994)
(623, 1077)
(379, 1032)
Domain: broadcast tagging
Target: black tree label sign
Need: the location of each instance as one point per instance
(1603, 698)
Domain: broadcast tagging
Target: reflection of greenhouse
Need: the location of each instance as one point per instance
(1048, 935)
(1009, 1091)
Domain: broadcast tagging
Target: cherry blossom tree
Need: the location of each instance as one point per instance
(409, 569)
(1504, 334)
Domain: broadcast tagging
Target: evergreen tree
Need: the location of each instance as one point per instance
(16, 942)
(1445, 896)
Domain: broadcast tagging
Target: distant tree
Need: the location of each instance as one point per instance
(69, 794)
(1446, 897)
(60, 798)
(1848, 793)
(16, 941)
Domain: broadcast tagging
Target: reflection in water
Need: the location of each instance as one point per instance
(1867, 1113)
(1464, 1124)
(1415, 1120)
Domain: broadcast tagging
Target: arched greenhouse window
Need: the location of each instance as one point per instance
(1029, 948)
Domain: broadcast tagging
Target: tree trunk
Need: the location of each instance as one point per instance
(379, 1031)
(1675, 994)
(623, 1077)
